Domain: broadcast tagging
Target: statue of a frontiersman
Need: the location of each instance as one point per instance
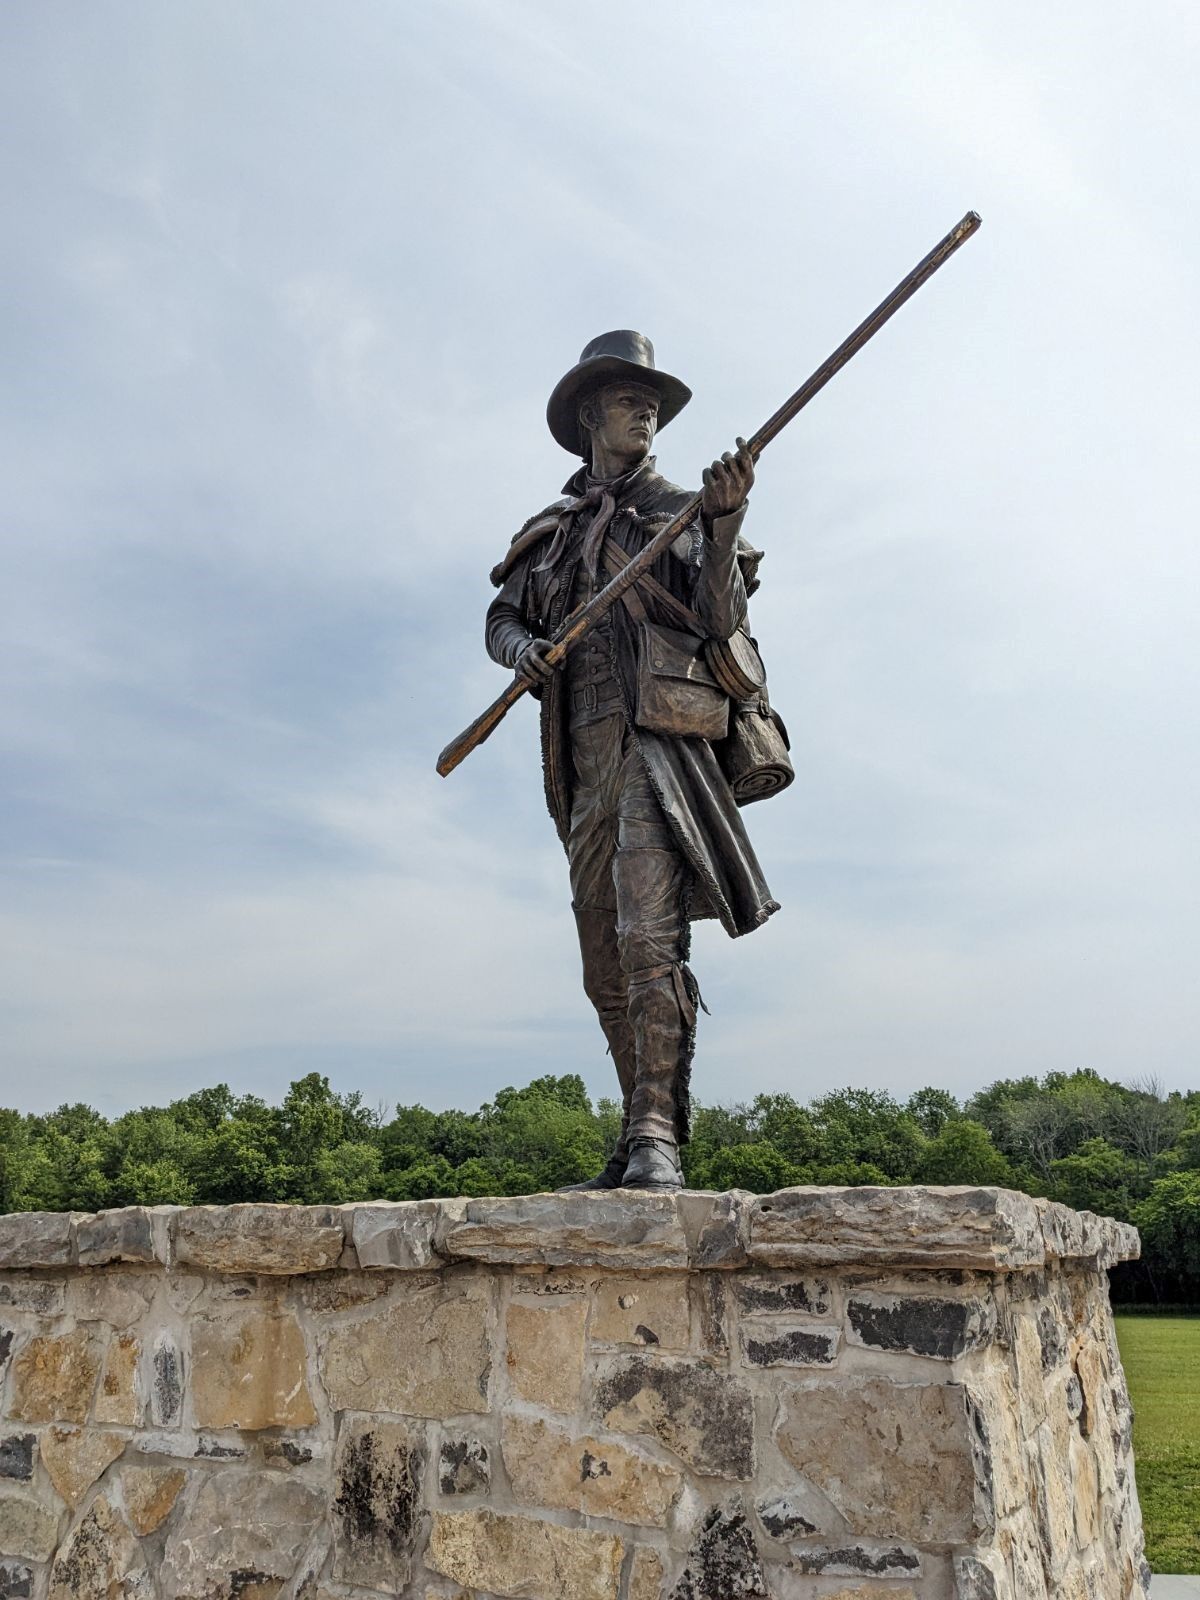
(635, 725)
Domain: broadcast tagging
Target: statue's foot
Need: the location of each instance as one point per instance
(610, 1178)
(653, 1164)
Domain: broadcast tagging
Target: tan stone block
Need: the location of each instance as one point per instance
(548, 1466)
(28, 1525)
(426, 1354)
(76, 1457)
(1085, 1487)
(1050, 1498)
(115, 1296)
(1031, 1388)
(36, 1238)
(248, 1371)
(860, 1591)
(259, 1238)
(994, 1399)
(895, 1459)
(545, 1352)
(642, 1311)
(646, 1575)
(101, 1559)
(521, 1556)
(150, 1494)
(118, 1401)
(53, 1378)
(1093, 1380)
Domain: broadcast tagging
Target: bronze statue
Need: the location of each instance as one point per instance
(623, 607)
(649, 821)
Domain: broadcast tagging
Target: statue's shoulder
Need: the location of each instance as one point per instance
(537, 527)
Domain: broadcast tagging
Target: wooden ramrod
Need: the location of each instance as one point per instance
(580, 623)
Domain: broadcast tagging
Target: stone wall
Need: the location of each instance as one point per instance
(823, 1394)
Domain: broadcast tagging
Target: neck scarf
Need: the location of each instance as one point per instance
(600, 497)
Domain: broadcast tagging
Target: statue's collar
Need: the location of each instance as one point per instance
(580, 482)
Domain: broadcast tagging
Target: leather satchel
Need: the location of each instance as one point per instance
(676, 690)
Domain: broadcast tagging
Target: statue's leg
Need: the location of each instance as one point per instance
(650, 876)
(591, 847)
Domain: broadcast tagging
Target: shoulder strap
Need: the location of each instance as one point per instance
(615, 560)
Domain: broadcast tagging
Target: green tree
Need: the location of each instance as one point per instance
(963, 1152)
(1168, 1220)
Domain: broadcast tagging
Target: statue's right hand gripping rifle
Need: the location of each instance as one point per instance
(581, 622)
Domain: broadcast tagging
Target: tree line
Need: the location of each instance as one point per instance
(1127, 1152)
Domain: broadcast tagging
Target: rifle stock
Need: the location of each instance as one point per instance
(582, 621)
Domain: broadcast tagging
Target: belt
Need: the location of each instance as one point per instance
(588, 696)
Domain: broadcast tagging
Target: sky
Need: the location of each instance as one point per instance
(285, 289)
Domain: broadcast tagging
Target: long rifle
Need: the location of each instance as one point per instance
(581, 622)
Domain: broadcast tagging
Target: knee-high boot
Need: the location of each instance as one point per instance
(664, 1020)
(605, 985)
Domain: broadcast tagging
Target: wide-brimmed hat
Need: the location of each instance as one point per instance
(611, 358)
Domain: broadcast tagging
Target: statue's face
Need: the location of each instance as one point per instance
(621, 419)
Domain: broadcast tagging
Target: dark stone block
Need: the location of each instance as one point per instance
(6, 1344)
(288, 1451)
(782, 1520)
(706, 1417)
(798, 1347)
(377, 1503)
(975, 1581)
(166, 1394)
(809, 1295)
(919, 1325)
(708, 1293)
(16, 1456)
(214, 1450)
(463, 1467)
(723, 1562)
(851, 1561)
(16, 1581)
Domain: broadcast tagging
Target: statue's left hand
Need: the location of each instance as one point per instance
(727, 483)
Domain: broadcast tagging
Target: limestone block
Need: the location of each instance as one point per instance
(76, 1457)
(711, 1299)
(1001, 1461)
(342, 1291)
(117, 1400)
(983, 1576)
(642, 1311)
(862, 1591)
(549, 1466)
(16, 1456)
(773, 1344)
(259, 1238)
(894, 1458)
(401, 1234)
(286, 1453)
(646, 1575)
(715, 1227)
(1050, 1499)
(723, 1559)
(544, 1352)
(124, 1235)
(53, 1378)
(705, 1417)
(241, 1534)
(100, 1560)
(626, 1229)
(36, 1239)
(28, 1524)
(521, 1556)
(377, 1502)
(464, 1466)
(922, 1325)
(983, 1229)
(116, 1296)
(149, 1495)
(778, 1292)
(248, 1371)
(425, 1354)
(166, 1389)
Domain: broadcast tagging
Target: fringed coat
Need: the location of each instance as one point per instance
(536, 581)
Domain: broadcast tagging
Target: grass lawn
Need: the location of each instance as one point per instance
(1161, 1356)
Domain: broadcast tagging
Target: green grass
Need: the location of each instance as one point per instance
(1161, 1356)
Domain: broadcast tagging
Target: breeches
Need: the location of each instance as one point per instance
(628, 882)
